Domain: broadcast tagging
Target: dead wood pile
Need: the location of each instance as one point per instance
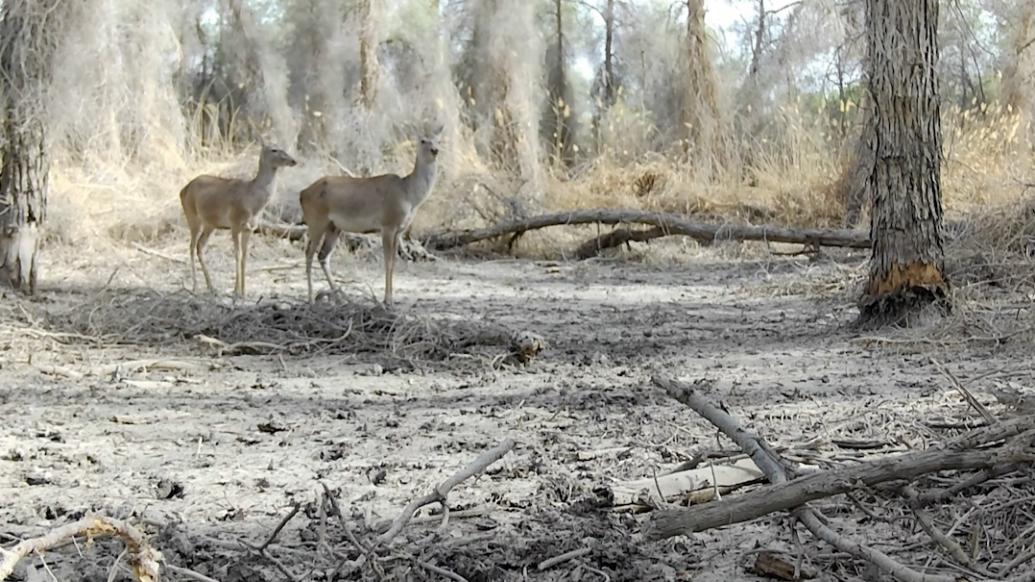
(268, 326)
(993, 464)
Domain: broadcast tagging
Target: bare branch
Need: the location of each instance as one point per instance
(438, 494)
(144, 560)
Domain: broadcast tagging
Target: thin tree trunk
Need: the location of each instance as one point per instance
(855, 180)
(368, 64)
(907, 271)
(609, 54)
(701, 108)
(1018, 60)
(756, 50)
(26, 48)
(560, 105)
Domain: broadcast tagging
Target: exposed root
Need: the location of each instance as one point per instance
(143, 559)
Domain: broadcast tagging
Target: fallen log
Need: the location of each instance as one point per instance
(676, 522)
(670, 224)
(409, 249)
(796, 492)
(617, 238)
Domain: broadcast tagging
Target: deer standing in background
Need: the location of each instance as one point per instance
(211, 203)
(385, 204)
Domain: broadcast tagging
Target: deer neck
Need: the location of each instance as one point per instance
(260, 189)
(420, 181)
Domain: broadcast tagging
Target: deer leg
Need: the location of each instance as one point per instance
(199, 250)
(195, 234)
(235, 233)
(329, 240)
(314, 237)
(389, 239)
(246, 235)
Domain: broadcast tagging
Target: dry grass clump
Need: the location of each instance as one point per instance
(149, 318)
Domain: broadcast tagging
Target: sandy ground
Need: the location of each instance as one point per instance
(206, 446)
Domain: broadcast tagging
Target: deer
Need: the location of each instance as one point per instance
(384, 204)
(211, 202)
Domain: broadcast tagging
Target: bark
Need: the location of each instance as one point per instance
(672, 224)
(700, 108)
(267, 67)
(855, 181)
(1019, 57)
(505, 61)
(759, 41)
(609, 54)
(26, 49)
(797, 492)
(368, 63)
(907, 271)
(560, 99)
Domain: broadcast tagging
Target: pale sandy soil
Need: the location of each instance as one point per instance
(79, 435)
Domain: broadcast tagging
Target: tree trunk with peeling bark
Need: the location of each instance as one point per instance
(26, 48)
(560, 113)
(907, 271)
(609, 54)
(368, 63)
(701, 107)
(1019, 30)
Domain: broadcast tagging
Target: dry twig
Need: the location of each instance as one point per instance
(566, 556)
(439, 493)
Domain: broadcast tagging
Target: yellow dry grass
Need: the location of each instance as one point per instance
(987, 172)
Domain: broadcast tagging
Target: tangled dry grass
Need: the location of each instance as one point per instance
(269, 326)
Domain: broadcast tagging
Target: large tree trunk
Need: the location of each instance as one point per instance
(907, 271)
(26, 47)
(1019, 56)
(854, 185)
(700, 107)
(368, 63)
(506, 59)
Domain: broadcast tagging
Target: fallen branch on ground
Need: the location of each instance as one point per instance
(188, 573)
(572, 555)
(617, 238)
(144, 560)
(438, 494)
(409, 249)
(793, 493)
(774, 468)
(670, 224)
(819, 485)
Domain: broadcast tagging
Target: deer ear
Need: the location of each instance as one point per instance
(437, 132)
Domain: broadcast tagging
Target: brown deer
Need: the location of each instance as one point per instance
(385, 204)
(211, 202)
